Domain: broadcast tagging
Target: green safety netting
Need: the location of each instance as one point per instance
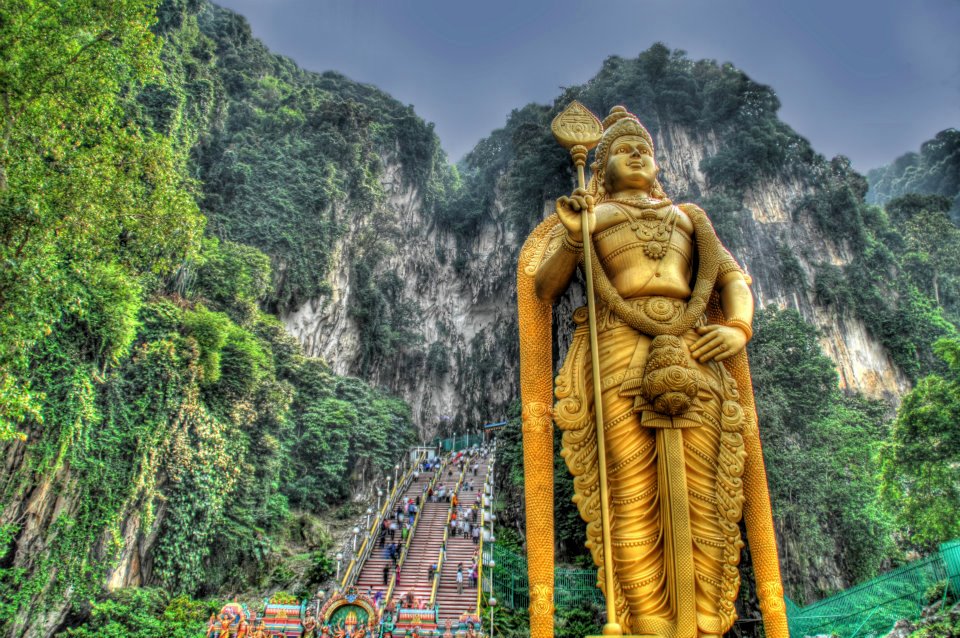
(871, 608)
(950, 551)
(867, 610)
(457, 443)
(571, 586)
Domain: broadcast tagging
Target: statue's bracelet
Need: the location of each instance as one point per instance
(575, 247)
(743, 325)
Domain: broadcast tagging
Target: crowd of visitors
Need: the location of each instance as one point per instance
(465, 521)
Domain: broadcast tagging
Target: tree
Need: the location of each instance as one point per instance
(921, 460)
(89, 198)
(819, 446)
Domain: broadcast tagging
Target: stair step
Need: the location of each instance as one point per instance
(425, 548)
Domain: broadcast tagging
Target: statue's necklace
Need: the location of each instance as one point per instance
(654, 231)
(642, 201)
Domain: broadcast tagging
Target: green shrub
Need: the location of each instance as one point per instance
(322, 567)
(144, 613)
(210, 330)
(243, 363)
(112, 302)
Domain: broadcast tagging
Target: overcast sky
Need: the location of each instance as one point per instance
(867, 79)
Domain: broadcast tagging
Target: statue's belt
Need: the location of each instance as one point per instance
(659, 309)
(661, 377)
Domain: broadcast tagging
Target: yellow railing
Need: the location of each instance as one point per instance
(480, 555)
(446, 534)
(353, 569)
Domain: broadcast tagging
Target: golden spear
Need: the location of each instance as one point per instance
(578, 130)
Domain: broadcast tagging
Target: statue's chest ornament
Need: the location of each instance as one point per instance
(650, 228)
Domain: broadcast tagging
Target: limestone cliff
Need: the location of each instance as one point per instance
(465, 310)
(464, 289)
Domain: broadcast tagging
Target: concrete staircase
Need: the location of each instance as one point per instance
(371, 573)
(428, 539)
(461, 550)
(423, 551)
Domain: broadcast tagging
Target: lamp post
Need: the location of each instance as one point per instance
(369, 513)
(320, 595)
(379, 496)
(396, 468)
(339, 560)
(356, 532)
(493, 516)
(491, 602)
(489, 537)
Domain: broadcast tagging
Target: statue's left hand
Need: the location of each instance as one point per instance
(717, 342)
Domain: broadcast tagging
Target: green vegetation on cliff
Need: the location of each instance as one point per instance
(95, 206)
(819, 446)
(920, 481)
(158, 426)
(291, 159)
(935, 170)
(145, 613)
(524, 163)
(891, 278)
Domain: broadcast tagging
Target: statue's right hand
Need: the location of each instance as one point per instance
(570, 211)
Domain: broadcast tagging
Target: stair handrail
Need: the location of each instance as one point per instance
(443, 545)
(480, 555)
(406, 547)
(357, 562)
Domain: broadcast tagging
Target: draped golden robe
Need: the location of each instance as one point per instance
(674, 482)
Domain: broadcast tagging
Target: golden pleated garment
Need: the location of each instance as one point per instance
(675, 486)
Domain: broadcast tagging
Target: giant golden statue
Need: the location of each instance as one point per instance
(664, 483)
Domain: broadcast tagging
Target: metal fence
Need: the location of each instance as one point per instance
(461, 442)
(572, 587)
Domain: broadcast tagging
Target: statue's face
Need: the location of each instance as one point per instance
(630, 165)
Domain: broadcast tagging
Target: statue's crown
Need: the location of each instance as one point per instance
(618, 123)
(617, 113)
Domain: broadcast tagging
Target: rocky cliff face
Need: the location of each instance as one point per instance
(466, 293)
(768, 233)
(51, 504)
(465, 309)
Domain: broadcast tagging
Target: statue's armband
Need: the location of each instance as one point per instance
(553, 262)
